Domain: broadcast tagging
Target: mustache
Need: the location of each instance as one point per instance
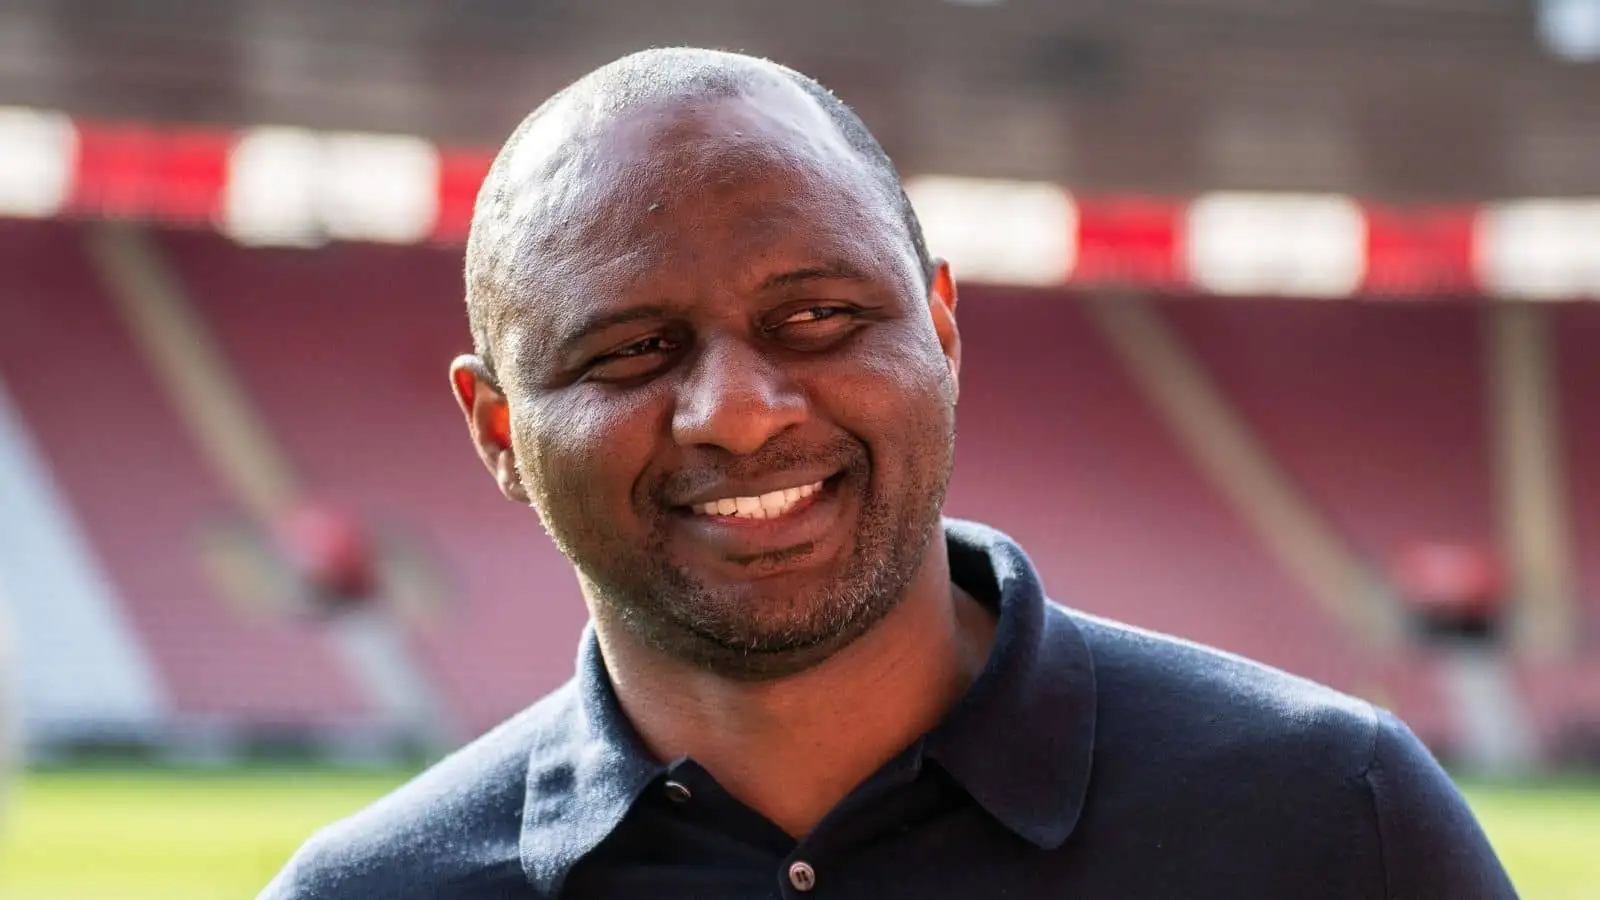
(842, 454)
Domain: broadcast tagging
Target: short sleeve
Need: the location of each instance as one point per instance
(1432, 844)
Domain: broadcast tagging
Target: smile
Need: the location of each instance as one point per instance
(770, 505)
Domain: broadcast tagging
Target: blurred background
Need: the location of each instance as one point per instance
(1280, 334)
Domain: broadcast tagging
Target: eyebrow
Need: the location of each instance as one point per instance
(601, 321)
(831, 269)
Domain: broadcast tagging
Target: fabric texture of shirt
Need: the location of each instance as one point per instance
(1089, 759)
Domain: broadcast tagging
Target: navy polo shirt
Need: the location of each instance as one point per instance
(1089, 759)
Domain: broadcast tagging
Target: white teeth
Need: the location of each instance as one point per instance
(766, 506)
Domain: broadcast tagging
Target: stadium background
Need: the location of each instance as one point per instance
(1279, 327)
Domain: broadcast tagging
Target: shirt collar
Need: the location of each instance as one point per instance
(1019, 742)
(584, 773)
(1022, 738)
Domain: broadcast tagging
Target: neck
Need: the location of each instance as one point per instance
(792, 748)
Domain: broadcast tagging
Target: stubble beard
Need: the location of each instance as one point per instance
(639, 590)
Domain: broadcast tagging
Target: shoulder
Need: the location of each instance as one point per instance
(1208, 706)
(1258, 772)
(1433, 844)
(1191, 741)
(453, 830)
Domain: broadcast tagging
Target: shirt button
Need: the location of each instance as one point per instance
(802, 876)
(677, 791)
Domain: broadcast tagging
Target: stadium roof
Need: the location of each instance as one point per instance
(1435, 100)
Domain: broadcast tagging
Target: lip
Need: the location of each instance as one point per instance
(814, 521)
(754, 487)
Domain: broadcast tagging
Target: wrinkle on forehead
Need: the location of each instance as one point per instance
(593, 180)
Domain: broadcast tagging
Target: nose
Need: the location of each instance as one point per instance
(736, 399)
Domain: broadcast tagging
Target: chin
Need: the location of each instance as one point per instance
(742, 663)
(769, 629)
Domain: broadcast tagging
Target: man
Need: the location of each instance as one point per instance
(714, 355)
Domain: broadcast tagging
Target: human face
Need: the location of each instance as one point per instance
(731, 316)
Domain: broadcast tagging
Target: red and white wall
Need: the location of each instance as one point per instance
(292, 186)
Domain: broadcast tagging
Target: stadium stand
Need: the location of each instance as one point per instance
(83, 672)
(341, 350)
(1577, 341)
(1377, 410)
(142, 495)
(1056, 444)
(345, 349)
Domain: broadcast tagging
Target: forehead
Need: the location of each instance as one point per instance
(679, 190)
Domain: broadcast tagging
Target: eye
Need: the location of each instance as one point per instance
(815, 314)
(656, 344)
(816, 326)
(635, 360)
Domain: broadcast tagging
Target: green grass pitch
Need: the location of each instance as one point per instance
(162, 835)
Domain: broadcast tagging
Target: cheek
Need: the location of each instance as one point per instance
(582, 452)
(896, 394)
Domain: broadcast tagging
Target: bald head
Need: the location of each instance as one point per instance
(632, 126)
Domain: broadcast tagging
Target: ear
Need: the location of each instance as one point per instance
(489, 423)
(942, 307)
